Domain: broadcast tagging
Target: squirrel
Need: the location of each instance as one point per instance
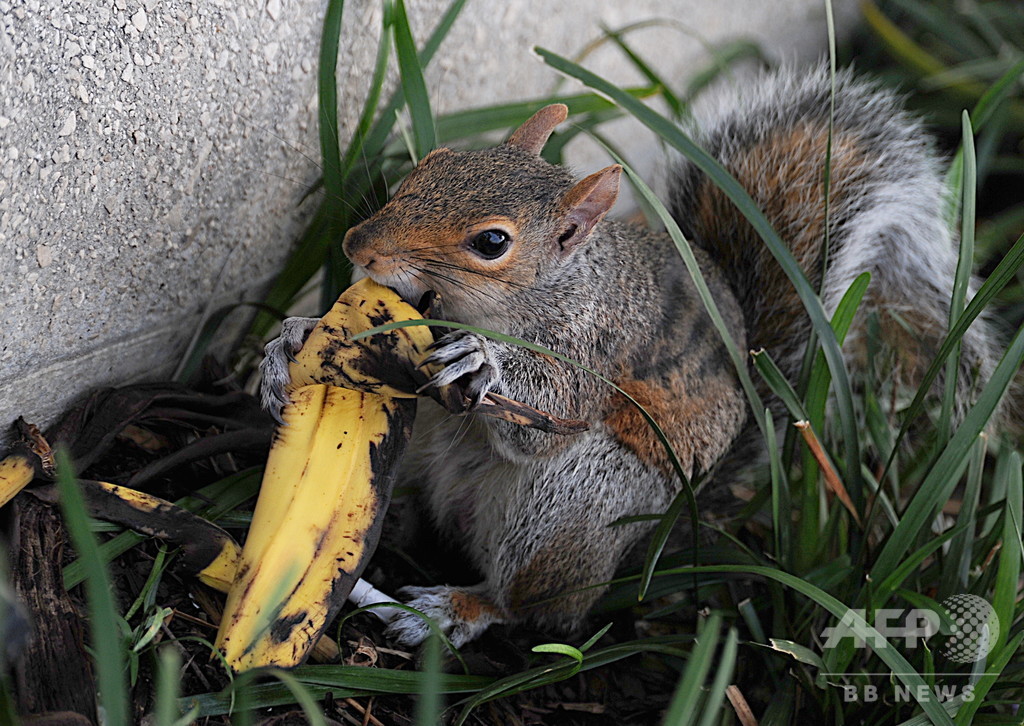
(516, 245)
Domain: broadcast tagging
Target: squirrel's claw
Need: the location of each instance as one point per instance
(467, 358)
(278, 353)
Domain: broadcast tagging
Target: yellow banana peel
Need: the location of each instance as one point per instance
(16, 471)
(31, 456)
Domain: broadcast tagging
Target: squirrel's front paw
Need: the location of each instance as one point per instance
(462, 613)
(274, 367)
(468, 360)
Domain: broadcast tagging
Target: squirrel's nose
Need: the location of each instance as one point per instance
(357, 246)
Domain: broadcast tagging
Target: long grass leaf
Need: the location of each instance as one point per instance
(460, 124)
(710, 305)
(723, 675)
(684, 707)
(327, 94)
(428, 705)
(674, 136)
(778, 384)
(1008, 586)
(381, 130)
(962, 279)
(646, 71)
(998, 662)
(168, 678)
(957, 562)
(302, 264)
(415, 88)
(380, 67)
(107, 644)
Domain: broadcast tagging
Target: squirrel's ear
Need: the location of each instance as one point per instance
(586, 204)
(534, 133)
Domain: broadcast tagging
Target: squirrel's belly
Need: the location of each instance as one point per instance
(464, 483)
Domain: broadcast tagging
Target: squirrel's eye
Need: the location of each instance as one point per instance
(491, 244)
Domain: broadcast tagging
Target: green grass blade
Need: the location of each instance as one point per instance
(998, 662)
(957, 563)
(661, 533)
(731, 188)
(207, 334)
(684, 707)
(781, 521)
(778, 383)
(887, 587)
(962, 279)
(168, 678)
(343, 681)
(938, 484)
(1008, 587)
(842, 320)
(674, 104)
(302, 264)
(816, 399)
(686, 253)
(107, 644)
(428, 705)
(378, 136)
(1004, 272)
(336, 270)
(327, 93)
(413, 85)
(380, 69)
(716, 692)
(996, 94)
(461, 124)
(303, 696)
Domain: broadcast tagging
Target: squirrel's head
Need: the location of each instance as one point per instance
(480, 227)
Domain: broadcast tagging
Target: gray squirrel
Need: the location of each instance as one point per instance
(516, 245)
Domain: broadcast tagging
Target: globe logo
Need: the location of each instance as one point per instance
(976, 628)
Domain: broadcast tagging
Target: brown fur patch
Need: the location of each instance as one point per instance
(785, 177)
(469, 607)
(700, 424)
(557, 569)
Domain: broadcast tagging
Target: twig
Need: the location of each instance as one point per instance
(740, 706)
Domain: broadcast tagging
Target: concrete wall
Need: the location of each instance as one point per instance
(153, 152)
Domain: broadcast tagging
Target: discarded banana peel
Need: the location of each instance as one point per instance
(31, 456)
(207, 551)
(16, 471)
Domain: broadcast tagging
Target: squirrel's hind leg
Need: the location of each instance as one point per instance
(462, 613)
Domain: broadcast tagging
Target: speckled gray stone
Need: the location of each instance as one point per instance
(153, 154)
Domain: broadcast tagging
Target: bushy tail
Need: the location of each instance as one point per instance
(886, 216)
